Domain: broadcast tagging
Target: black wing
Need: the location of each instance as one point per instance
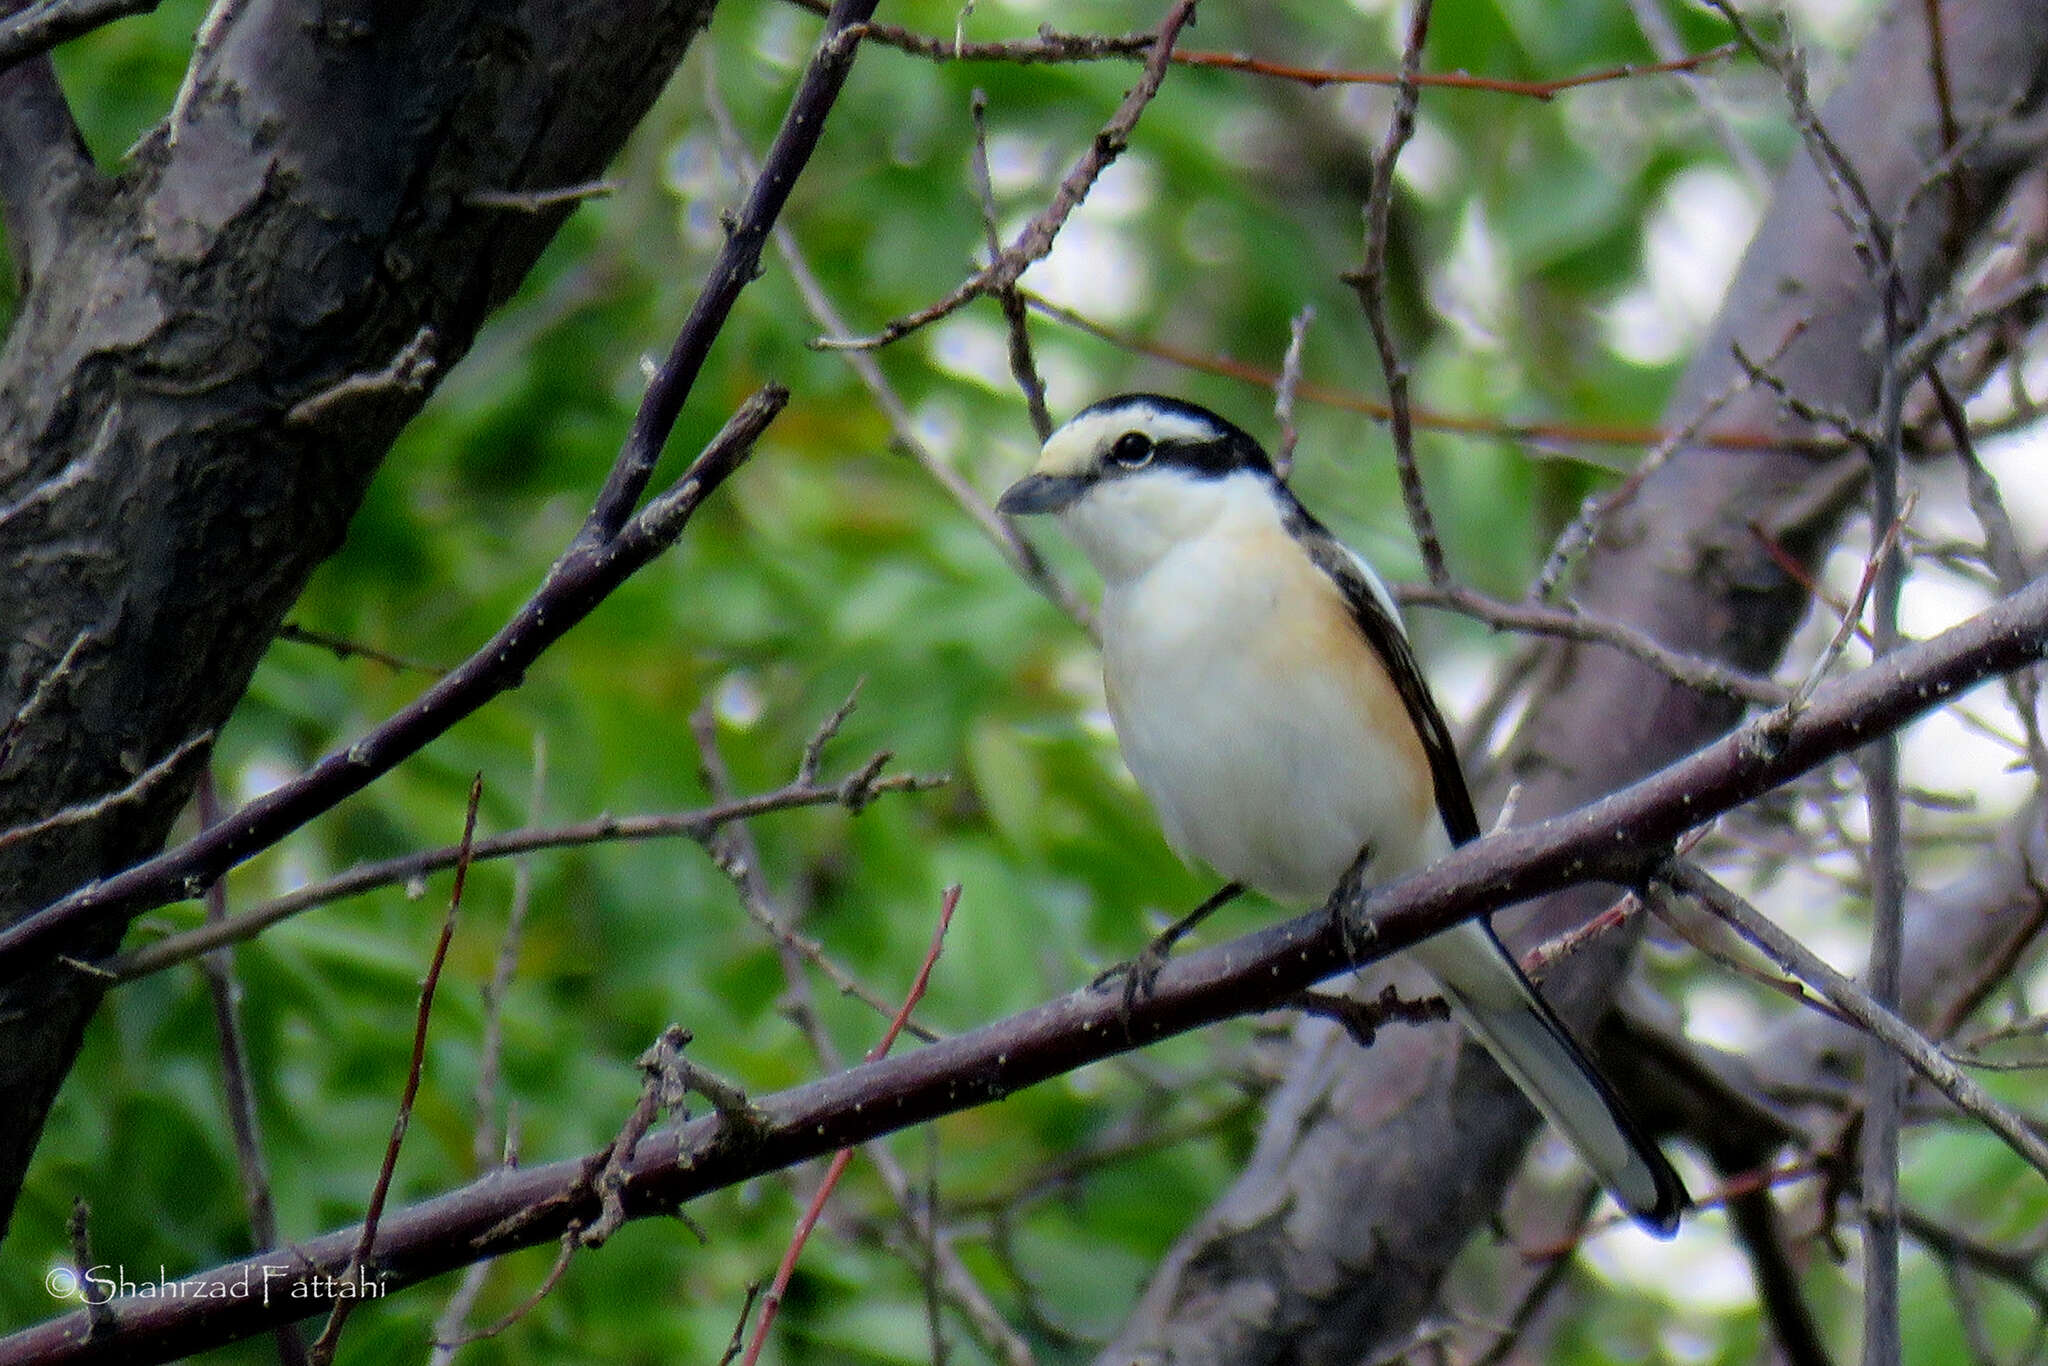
(1390, 643)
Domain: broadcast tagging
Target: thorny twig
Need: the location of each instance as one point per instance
(1572, 623)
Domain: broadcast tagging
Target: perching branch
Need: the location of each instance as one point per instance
(1618, 837)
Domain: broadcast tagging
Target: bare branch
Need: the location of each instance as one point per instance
(322, 1350)
(582, 578)
(1909, 1044)
(1571, 623)
(1019, 552)
(1369, 280)
(1615, 838)
(1053, 47)
(1022, 365)
(699, 825)
(1035, 241)
(40, 25)
(738, 263)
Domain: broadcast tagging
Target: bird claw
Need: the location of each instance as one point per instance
(1139, 974)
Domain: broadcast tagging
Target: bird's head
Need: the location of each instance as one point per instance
(1130, 477)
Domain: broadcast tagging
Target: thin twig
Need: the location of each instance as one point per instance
(322, 1350)
(1284, 392)
(737, 266)
(1884, 1076)
(1853, 1001)
(1020, 553)
(1053, 47)
(854, 791)
(1369, 281)
(1656, 24)
(1037, 237)
(773, 1299)
(238, 1092)
(1022, 365)
(1549, 435)
(540, 201)
(1578, 534)
(2002, 552)
(343, 648)
(1851, 623)
(737, 855)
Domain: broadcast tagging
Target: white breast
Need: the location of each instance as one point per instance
(1254, 715)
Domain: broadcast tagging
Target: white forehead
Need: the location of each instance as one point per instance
(1080, 444)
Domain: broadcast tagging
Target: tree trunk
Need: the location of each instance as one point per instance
(215, 348)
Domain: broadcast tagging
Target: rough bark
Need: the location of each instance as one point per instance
(200, 384)
(1376, 1167)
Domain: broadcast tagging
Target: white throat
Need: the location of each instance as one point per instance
(1127, 525)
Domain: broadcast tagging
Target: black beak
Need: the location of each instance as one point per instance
(1041, 493)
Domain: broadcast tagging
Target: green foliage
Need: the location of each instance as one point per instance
(833, 561)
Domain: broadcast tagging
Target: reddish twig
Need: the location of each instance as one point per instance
(322, 1350)
(1052, 47)
(772, 1301)
(1316, 77)
(1548, 434)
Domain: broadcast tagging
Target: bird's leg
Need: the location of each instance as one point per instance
(1358, 934)
(1139, 973)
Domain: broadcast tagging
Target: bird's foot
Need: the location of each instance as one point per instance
(1139, 974)
(1354, 931)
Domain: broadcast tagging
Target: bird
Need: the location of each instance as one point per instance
(1268, 703)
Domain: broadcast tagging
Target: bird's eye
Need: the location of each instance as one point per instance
(1133, 450)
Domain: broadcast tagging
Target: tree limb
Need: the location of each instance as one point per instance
(1626, 831)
